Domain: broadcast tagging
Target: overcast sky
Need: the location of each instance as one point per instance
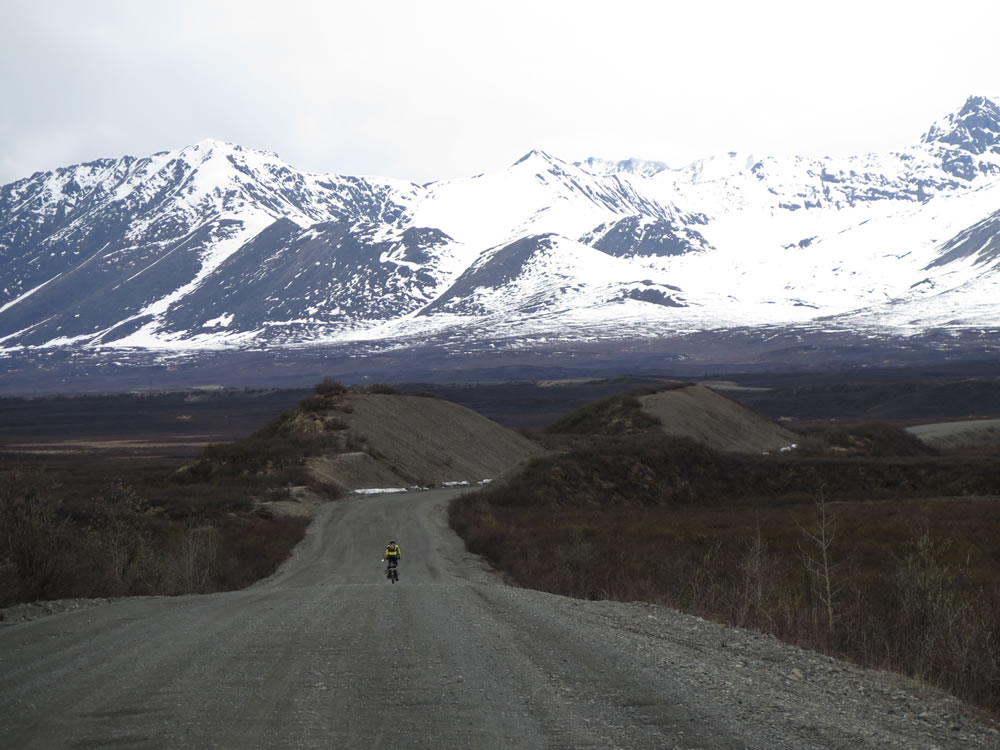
(431, 90)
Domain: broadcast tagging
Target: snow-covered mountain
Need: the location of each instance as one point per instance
(217, 246)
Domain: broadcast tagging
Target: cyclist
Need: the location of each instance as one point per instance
(392, 554)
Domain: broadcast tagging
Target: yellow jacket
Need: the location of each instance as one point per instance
(392, 551)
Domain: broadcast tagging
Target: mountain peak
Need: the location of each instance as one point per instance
(974, 128)
(537, 155)
(632, 165)
(210, 145)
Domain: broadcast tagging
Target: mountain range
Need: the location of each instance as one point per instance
(219, 247)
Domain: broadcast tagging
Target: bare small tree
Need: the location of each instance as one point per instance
(33, 534)
(756, 586)
(196, 554)
(118, 535)
(817, 558)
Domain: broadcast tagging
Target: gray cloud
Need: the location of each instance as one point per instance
(426, 90)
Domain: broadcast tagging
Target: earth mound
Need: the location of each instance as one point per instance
(401, 441)
(700, 413)
(973, 433)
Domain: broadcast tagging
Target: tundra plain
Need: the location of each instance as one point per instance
(743, 553)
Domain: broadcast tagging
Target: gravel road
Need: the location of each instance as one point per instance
(327, 654)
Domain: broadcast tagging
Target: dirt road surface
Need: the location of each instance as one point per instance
(327, 654)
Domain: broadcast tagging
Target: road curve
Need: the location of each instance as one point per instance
(327, 654)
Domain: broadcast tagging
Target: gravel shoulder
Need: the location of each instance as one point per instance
(326, 653)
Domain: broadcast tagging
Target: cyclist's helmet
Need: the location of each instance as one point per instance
(392, 542)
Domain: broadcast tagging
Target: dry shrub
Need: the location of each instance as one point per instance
(871, 439)
(35, 536)
(329, 387)
(316, 404)
(251, 548)
(120, 540)
(160, 528)
(123, 540)
(819, 552)
(255, 461)
(384, 388)
(615, 415)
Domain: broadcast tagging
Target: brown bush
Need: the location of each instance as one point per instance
(69, 532)
(873, 439)
(329, 387)
(384, 388)
(743, 539)
(615, 415)
(317, 403)
(35, 536)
